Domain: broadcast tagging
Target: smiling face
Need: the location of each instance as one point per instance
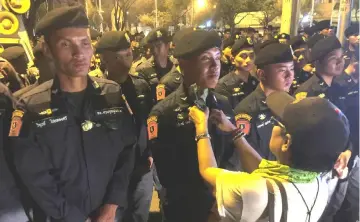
(204, 69)
(71, 51)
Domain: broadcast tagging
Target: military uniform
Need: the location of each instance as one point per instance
(59, 150)
(234, 88)
(11, 204)
(252, 114)
(137, 93)
(172, 140)
(173, 146)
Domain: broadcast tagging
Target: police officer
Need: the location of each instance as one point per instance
(324, 28)
(11, 208)
(154, 70)
(276, 73)
(327, 56)
(283, 38)
(171, 134)
(16, 56)
(302, 72)
(309, 31)
(74, 142)
(43, 65)
(239, 83)
(352, 35)
(226, 58)
(116, 54)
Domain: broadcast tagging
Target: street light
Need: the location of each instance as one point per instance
(201, 4)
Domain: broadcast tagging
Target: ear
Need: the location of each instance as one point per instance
(46, 50)
(287, 143)
(261, 74)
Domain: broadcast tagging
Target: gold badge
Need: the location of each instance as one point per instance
(46, 112)
(87, 125)
(158, 34)
(322, 95)
(250, 41)
(300, 96)
(127, 37)
(236, 90)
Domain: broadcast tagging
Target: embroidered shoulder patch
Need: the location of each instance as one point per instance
(243, 122)
(152, 127)
(16, 123)
(160, 92)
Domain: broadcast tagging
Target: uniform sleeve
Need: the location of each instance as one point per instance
(33, 166)
(118, 185)
(240, 196)
(221, 89)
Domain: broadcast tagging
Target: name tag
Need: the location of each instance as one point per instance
(49, 121)
(109, 112)
(263, 124)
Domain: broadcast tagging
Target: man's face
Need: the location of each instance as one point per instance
(71, 51)
(327, 32)
(354, 40)
(159, 49)
(333, 63)
(116, 61)
(204, 69)
(227, 35)
(278, 76)
(244, 60)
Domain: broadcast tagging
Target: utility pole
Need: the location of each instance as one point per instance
(290, 17)
(192, 12)
(312, 12)
(156, 15)
(344, 19)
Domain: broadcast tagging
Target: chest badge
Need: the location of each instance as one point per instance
(87, 125)
(322, 95)
(236, 90)
(262, 116)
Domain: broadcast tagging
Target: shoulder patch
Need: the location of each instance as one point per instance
(160, 92)
(152, 127)
(243, 122)
(16, 123)
(300, 96)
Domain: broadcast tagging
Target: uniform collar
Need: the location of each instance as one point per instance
(92, 86)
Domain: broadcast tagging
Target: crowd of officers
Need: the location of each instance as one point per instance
(89, 146)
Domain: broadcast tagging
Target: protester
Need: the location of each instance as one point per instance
(297, 186)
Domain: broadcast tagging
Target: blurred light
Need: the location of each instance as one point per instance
(214, 6)
(306, 18)
(201, 3)
(127, 13)
(208, 23)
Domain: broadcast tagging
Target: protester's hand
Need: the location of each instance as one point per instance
(150, 161)
(352, 68)
(341, 163)
(199, 118)
(88, 220)
(107, 213)
(221, 121)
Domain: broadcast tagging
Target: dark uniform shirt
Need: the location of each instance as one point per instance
(226, 66)
(154, 76)
(72, 164)
(254, 117)
(300, 77)
(234, 88)
(173, 146)
(316, 86)
(348, 55)
(11, 208)
(138, 95)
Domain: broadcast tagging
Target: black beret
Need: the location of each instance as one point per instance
(352, 30)
(113, 41)
(158, 34)
(63, 17)
(13, 52)
(228, 43)
(241, 44)
(283, 36)
(314, 39)
(324, 47)
(180, 34)
(296, 42)
(227, 31)
(94, 34)
(309, 30)
(262, 45)
(196, 42)
(324, 24)
(273, 54)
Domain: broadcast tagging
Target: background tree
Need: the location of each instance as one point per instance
(227, 10)
(270, 9)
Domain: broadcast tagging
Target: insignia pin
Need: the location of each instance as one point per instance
(87, 125)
